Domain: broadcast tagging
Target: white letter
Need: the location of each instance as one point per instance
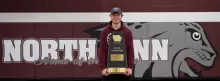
(12, 50)
(89, 48)
(69, 46)
(49, 47)
(31, 47)
(141, 49)
(159, 50)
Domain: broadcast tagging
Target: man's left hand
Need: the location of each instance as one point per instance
(128, 71)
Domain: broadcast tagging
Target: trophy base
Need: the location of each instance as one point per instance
(117, 70)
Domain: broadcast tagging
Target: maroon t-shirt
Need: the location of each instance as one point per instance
(104, 45)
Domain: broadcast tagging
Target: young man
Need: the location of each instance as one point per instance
(116, 24)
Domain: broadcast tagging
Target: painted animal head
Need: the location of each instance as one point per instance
(198, 54)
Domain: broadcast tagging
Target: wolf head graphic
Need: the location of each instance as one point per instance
(190, 51)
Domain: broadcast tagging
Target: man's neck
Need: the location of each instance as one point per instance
(116, 26)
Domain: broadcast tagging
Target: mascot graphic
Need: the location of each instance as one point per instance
(190, 51)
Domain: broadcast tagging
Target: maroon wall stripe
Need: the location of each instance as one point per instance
(106, 5)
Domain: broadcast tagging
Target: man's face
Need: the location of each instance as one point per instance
(116, 18)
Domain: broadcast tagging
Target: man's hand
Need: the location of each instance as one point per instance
(128, 71)
(105, 72)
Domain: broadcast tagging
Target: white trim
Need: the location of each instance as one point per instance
(104, 17)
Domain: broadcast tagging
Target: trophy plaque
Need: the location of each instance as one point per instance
(117, 57)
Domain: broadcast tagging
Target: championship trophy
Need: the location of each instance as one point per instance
(117, 56)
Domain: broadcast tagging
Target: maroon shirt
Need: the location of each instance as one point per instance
(104, 45)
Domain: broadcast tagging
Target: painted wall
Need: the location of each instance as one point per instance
(203, 52)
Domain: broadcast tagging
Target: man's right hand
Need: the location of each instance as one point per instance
(105, 72)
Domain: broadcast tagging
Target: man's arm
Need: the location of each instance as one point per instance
(102, 51)
(130, 50)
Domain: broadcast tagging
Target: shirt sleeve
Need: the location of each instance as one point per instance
(102, 51)
(130, 50)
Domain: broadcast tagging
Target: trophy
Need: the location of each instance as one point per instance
(117, 57)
